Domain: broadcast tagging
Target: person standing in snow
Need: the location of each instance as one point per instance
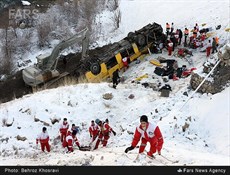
(217, 41)
(63, 129)
(115, 78)
(214, 45)
(197, 27)
(70, 139)
(173, 39)
(167, 28)
(172, 28)
(208, 48)
(125, 63)
(147, 132)
(170, 47)
(186, 33)
(104, 133)
(43, 138)
(195, 31)
(93, 131)
(180, 36)
(176, 37)
(75, 128)
(111, 129)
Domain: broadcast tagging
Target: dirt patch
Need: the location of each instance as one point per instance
(13, 87)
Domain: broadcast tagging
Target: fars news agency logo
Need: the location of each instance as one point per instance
(23, 17)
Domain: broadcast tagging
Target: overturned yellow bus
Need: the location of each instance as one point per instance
(101, 66)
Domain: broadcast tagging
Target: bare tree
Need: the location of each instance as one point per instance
(7, 48)
(70, 12)
(117, 18)
(23, 40)
(113, 5)
(43, 30)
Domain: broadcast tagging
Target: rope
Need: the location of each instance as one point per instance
(200, 84)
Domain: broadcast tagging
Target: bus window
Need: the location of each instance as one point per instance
(130, 51)
(112, 62)
(124, 53)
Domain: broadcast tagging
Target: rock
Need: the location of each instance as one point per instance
(131, 96)
(21, 138)
(108, 96)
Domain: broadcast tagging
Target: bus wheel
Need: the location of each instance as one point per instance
(95, 68)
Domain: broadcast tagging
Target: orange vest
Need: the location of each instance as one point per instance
(217, 40)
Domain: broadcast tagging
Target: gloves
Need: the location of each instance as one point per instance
(129, 149)
(114, 133)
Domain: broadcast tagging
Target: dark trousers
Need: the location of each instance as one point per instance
(214, 49)
(115, 83)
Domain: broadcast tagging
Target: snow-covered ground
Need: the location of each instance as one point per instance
(26, 3)
(205, 142)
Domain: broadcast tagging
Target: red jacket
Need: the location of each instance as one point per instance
(125, 61)
(93, 130)
(151, 134)
(43, 138)
(64, 127)
(170, 44)
(105, 129)
(70, 140)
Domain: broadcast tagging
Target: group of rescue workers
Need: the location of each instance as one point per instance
(195, 40)
(100, 130)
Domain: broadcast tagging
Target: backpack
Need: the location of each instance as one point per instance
(159, 71)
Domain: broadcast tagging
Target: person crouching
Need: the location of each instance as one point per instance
(147, 132)
(70, 139)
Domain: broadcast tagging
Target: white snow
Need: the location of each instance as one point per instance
(205, 142)
(26, 3)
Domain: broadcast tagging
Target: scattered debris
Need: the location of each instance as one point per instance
(36, 119)
(186, 125)
(108, 96)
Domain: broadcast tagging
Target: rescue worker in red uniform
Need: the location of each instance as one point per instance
(63, 129)
(43, 138)
(208, 48)
(70, 139)
(93, 130)
(125, 63)
(104, 133)
(147, 132)
(170, 47)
